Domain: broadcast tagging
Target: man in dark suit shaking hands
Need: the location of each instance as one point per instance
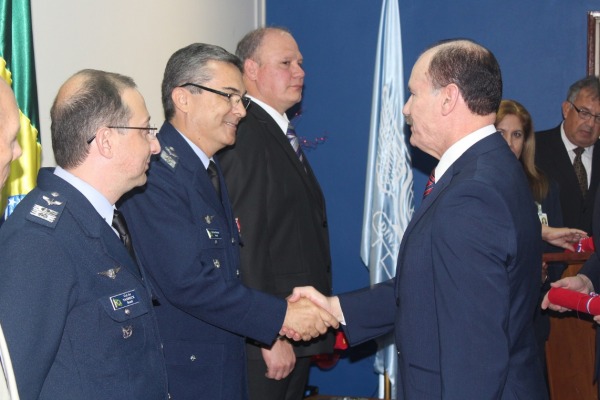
(278, 204)
(467, 278)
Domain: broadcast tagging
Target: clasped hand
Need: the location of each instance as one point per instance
(310, 314)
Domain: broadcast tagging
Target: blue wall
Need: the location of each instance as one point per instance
(540, 45)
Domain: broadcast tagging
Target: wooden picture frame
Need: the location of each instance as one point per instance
(593, 44)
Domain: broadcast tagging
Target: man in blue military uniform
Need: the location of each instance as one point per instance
(75, 308)
(184, 232)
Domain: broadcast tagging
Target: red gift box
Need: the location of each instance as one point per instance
(587, 303)
(585, 245)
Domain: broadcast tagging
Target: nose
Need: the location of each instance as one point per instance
(406, 112)
(239, 110)
(154, 146)
(298, 71)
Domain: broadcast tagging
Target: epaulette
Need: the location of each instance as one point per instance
(47, 209)
(169, 157)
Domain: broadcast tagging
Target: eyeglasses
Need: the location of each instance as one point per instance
(234, 98)
(151, 131)
(585, 115)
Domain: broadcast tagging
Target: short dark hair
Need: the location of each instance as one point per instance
(75, 119)
(188, 65)
(248, 46)
(472, 68)
(591, 83)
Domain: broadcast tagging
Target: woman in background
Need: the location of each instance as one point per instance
(514, 122)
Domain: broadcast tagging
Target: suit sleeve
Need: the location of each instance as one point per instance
(35, 294)
(473, 245)
(167, 237)
(369, 312)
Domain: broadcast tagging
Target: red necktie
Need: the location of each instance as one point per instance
(430, 184)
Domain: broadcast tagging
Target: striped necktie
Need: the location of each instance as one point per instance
(293, 138)
(430, 184)
(580, 170)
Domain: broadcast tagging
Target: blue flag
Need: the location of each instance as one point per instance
(388, 191)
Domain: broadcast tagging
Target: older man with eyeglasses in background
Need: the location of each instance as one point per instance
(568, 154)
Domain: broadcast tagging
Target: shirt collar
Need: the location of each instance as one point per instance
(98, 201)
(458, 148)
(281, 119)
(203, 157)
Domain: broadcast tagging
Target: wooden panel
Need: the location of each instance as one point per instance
(571, 348)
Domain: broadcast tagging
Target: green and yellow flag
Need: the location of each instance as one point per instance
(17, 67)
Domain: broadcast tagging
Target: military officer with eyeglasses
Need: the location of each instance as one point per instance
(184, 231)
(75, 306)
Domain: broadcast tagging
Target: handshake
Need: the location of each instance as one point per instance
(310, 314)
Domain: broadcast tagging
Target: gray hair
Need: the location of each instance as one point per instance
(188, 65)
(591, 83)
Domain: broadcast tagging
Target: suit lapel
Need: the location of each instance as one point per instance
(307, 176)
(449, 176)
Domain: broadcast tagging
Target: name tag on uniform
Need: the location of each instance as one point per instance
(124, 300)
(213, 234)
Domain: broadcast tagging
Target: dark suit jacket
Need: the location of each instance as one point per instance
(466, 286)
(71, 332)
(186, 237)
(551, 156)
(281, 212)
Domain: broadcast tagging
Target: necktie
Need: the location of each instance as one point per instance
(120, 226)
(214, 177)
(580, 170)
(293, 138)
(430, 184)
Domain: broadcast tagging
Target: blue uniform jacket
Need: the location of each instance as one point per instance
(467, 282)
(77, 317)
(187, 239)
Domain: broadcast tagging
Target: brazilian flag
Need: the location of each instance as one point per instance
(17, 67)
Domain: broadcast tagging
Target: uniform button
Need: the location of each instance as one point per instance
(216, 242)
(216, 263)
(127, 311)
(192, 358)
(237, 272)
(232, 240)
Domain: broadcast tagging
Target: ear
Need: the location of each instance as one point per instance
(450, 94)
(566, 106)
(104, 142)
(180, 97)
(250, 69)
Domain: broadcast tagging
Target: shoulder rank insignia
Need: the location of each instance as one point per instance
(47, 209)
(169, 156)
(51, 202)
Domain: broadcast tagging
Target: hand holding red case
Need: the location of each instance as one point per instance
(587, 303)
